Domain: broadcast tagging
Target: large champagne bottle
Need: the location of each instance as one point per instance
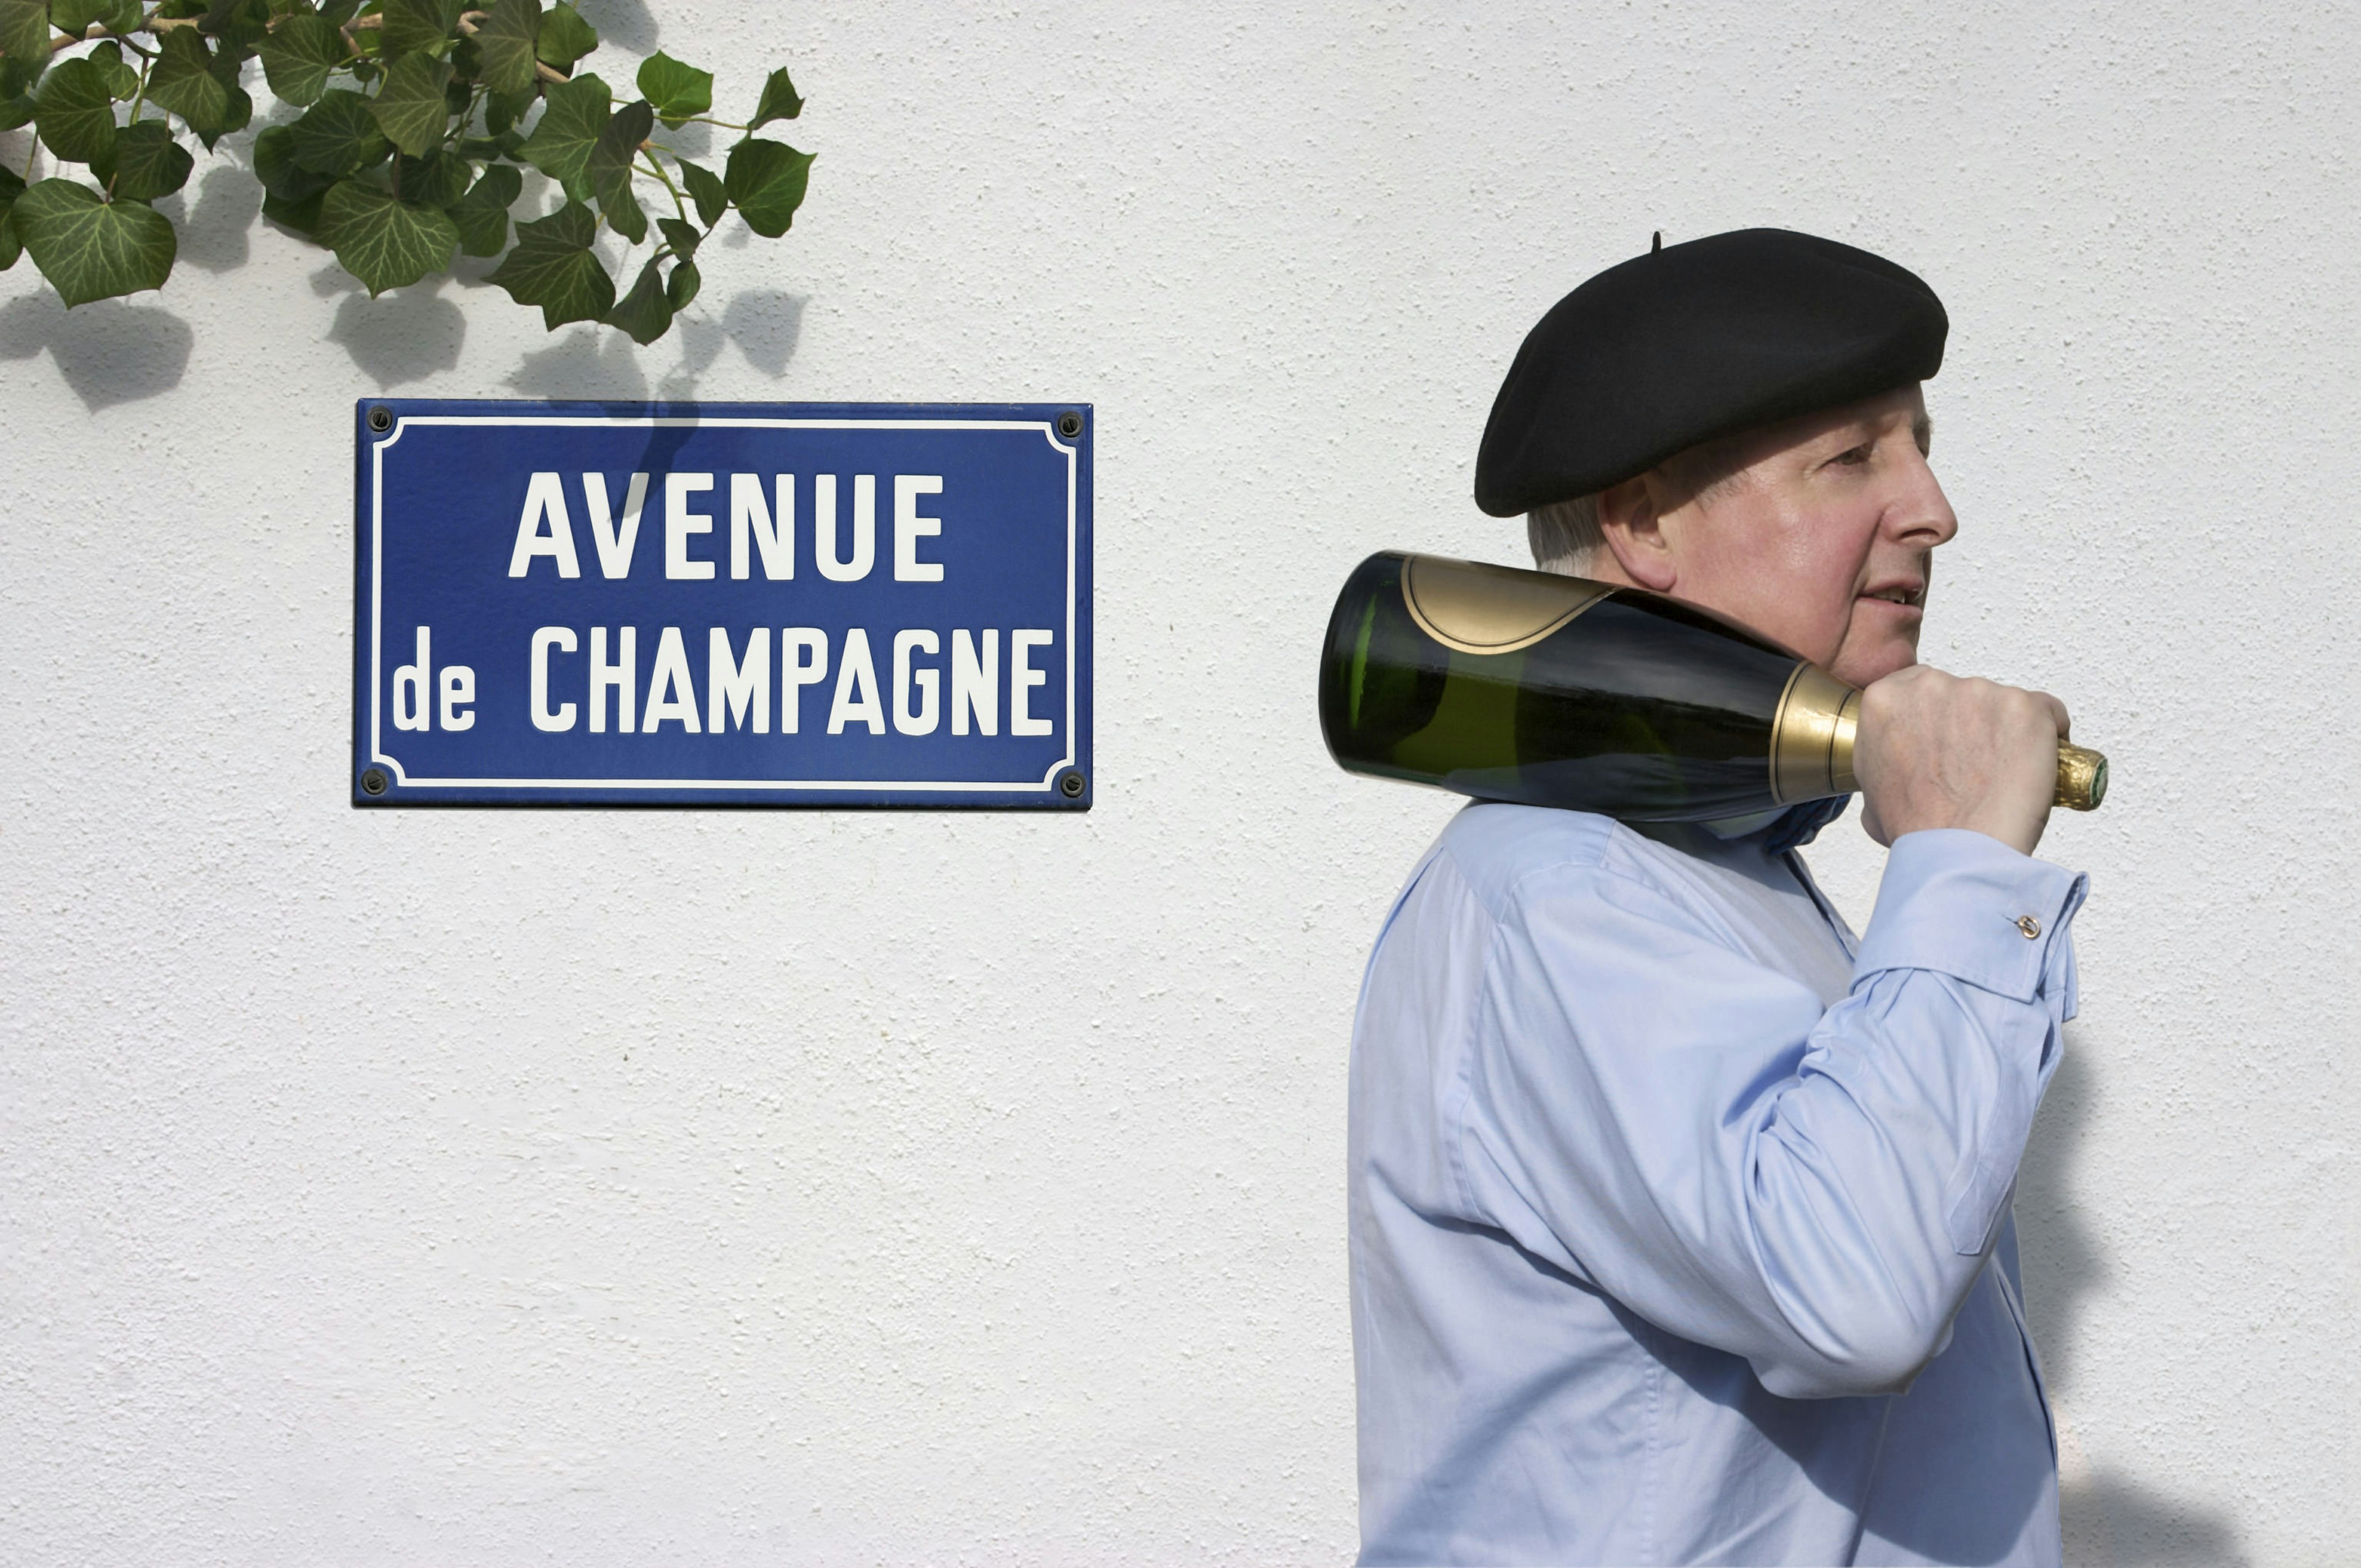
(1547, 690)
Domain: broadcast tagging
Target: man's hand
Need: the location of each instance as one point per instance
(1935, 750)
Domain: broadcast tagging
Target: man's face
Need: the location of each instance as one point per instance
(1819, 534)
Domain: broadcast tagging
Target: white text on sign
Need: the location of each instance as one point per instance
(762, 524)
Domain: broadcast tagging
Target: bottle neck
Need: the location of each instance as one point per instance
(1812, 737)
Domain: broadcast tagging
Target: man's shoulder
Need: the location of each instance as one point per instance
(1498, 848)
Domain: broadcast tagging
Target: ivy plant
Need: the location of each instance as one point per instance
(418, 117)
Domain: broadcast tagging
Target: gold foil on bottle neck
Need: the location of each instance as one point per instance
(1478, 609)
(1812, 736)
(2082, 777)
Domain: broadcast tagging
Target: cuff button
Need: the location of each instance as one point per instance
(2029, 926)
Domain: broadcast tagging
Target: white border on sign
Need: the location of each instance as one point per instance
(376, 599)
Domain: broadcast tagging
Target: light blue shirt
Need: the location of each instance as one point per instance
(1680, 1221)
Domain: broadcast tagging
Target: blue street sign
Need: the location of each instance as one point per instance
(774, 604)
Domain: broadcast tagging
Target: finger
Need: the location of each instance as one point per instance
(1903, 679)
(2057, 711)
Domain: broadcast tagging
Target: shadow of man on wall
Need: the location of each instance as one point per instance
(2111, 1519)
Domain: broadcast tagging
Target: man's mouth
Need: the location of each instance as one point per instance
(1908, 594)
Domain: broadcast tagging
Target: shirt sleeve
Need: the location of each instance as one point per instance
(1651, 1109)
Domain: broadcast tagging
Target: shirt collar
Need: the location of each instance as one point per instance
(1799, 825)
(1782, 828)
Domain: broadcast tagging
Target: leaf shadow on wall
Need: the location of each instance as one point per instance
(214, 227)
(625, 24)
(2111, 1519)
(600, 363)
(108, 352)
(403, 334)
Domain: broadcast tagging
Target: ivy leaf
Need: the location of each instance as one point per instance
(144, 164)
(276, 166)
(415, 25)
(766, 179)
(17, 110)
(677, 91)
(645, 313)
(16, 76)
(436, 180)
(92, 249)
(381, 240)
(202, 89)
(410, 107)
(705, 190)
(240, 24)
(684, 286)
(609, 168)
(681, 237)
(10, 247)
(301, 214)
(291, 192)
(565, 38)
(503, 110)
(780, 101)
(482, 214)
(75, 17)
(338, 135)
(568, 129)
(122, 82)
(25, 35)
(554, 266)
(505, 39)
(74, 112)
(299, 58)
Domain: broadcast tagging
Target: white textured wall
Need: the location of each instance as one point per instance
(476, 1187)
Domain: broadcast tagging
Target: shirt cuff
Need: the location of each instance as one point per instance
(1965, 904)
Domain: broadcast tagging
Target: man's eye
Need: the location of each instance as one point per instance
(1854, 457)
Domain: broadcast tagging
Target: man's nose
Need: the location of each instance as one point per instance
(1920, 514)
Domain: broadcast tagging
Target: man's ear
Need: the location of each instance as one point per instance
(1635, 535)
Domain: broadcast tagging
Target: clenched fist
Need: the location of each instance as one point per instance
(1936, 751)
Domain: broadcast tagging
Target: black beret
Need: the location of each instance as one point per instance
(1692, 341)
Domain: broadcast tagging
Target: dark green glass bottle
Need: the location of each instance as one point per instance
(1548, 690)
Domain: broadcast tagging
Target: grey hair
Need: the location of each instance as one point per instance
(1565, 535)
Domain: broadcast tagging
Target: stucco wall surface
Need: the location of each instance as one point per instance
(476, 1187)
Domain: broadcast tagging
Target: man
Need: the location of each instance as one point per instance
(1680, 1217)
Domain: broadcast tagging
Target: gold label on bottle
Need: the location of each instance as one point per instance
(1478, 609)
(1811, 737)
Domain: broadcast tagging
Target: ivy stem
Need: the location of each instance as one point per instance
(467, 120)
(658, 167)
(725, 125)
(139, 101)
(98, 30)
